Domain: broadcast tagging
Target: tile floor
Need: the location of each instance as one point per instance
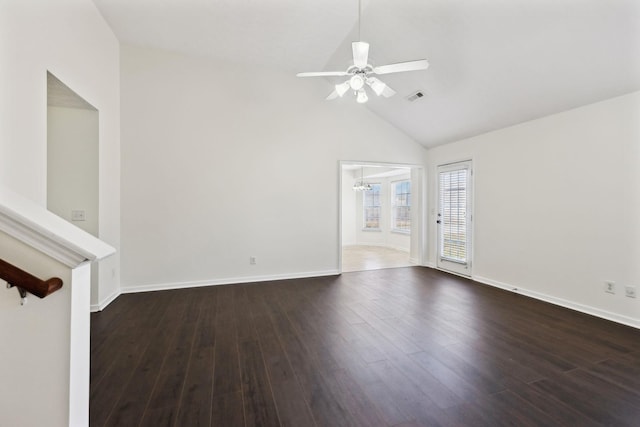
(360, 258)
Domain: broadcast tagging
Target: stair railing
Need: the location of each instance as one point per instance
(25, 282)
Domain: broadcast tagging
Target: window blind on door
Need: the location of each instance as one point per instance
(453, 215)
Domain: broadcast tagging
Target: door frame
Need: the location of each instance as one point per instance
(420, 234)
(452, 266)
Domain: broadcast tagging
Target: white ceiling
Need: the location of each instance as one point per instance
(494, 63)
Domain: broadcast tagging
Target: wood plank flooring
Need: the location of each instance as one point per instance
(398, 347)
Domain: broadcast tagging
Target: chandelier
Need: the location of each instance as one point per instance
(361, 185)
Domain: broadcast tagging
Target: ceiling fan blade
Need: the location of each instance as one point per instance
(399, 67)
(323, 74)
(388, 92)
(332, 95)
(360, 54)
(380, 88)
(342, 88)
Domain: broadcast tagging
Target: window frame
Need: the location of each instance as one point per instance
(378, 206)
(392, 226)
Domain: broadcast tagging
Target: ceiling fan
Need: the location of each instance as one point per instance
(361, 72)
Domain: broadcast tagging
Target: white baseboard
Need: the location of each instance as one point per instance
(105, 302)
(227, 281)
(625, 320)
(618, 318)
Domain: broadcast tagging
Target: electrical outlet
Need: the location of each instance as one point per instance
(630, 291)
(252, 260)
(610, 287)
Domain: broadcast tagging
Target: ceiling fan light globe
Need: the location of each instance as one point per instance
(356, 82)
(362, 97)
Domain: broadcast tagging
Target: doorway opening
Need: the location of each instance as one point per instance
(380, 216)
(73, 160)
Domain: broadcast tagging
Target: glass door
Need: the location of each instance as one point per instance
(454, 217)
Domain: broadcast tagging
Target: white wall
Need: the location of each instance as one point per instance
(72, 166)
(72, 169)
(70, 39)
(557, 206)
(34, 344)
(348, 207)
(188, 124)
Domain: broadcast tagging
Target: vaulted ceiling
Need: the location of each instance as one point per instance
(494, 63)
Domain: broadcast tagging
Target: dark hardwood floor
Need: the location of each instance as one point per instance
(398, 347)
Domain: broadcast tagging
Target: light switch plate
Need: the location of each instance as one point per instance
(77, 216)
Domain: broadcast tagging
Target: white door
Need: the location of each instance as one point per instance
(454, 217)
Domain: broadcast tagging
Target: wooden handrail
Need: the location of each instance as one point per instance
(21, 279)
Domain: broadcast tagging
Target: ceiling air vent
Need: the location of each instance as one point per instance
(415, 96)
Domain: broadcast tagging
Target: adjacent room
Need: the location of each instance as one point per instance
(319, 213)
(376, 216)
